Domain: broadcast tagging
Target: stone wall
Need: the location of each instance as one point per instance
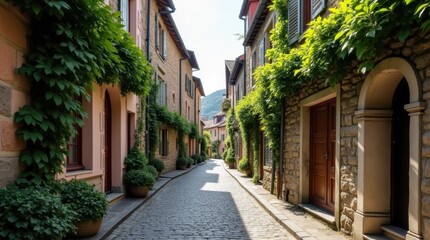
(14, 88)
(416, 49)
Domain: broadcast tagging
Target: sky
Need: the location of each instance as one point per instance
(210, 28)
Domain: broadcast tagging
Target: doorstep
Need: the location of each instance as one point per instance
(320, 214)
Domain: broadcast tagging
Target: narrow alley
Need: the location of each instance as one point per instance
(206, 203)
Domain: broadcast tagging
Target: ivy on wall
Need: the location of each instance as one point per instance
(71, 45)
(161, 115)
(352, 36)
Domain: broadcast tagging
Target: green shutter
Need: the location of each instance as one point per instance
(317, 6)
(294, 30)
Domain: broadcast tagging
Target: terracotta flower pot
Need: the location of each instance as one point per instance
(248, 173)
(138, 191)
(88, 228)
(231, 165)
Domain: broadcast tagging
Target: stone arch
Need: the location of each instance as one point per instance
(374, 147)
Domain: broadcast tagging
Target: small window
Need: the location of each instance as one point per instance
(267, 153)
(164, 144)
(124, 8)
(161, 41)
(253, 67)
(222, 137)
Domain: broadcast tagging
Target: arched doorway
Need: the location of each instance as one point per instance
(389, 136)
(108, 143)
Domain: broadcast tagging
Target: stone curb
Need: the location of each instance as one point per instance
(288, 224)
(109, 225)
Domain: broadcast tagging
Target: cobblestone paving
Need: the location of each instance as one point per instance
(206, 203)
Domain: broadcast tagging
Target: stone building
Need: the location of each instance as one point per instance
(97, 153)
(179, 91)
(357, 152)
(217, 129)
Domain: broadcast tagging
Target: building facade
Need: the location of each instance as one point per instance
(359, 150)
(97, 153)
(217, 129)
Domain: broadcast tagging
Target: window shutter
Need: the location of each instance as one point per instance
(165, 94)
(164, 45)
(317, 6)
(293, 20)
(156, 33)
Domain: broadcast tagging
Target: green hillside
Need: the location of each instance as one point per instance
(211, 104)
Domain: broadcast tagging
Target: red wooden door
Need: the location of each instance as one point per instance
(322, 162)
(108, 144)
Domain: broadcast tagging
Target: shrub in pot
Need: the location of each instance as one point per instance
(181, 163)
(230, 159)
(34, 214)
(245, 167)
(204, 156)
(139, 182)
(158, 164)
(90, 205)
(190, 162)
(196, 158)
(224, 154)
(135, 160)
(151, 169)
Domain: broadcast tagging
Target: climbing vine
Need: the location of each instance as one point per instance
(71, 45)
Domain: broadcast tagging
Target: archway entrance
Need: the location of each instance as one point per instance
(108, 143)
(389, 152)
(400, 157)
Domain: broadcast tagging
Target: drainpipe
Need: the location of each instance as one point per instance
(244, 56)
(148, 27)
(180, 85)
(281, 154)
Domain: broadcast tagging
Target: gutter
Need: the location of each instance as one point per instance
(180, 84)
(244, 56)
(281, 154)
(148, 25)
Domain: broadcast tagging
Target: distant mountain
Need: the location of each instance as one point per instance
(211, 104)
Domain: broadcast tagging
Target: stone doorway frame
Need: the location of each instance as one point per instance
(305, 106)
(374, 147)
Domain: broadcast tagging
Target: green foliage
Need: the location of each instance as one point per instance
(204, 156)
(196, 158)
(135, 160)
(153, 171)
(244, 164)
(206, 139)
(157, 163)
(214, 155)
(181, 161)
(224, 154)
(84, 199)
(139, 178)
(225, 105)
(230, 156)
(33, 214)
(71, 45)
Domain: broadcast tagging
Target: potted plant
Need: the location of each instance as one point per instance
(190, 162)
(158, 164)
(151, 169)
(181, 163)
(196, 158)
(245, 167)
(139, 182)
(135, 160)
(230, 159)
(90, 205)
(34, 213)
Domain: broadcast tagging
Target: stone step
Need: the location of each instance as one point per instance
(114, 198)
(394, 232)
(375, 237)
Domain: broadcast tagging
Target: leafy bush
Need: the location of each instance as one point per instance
(153, 171)
(157, 163)
(244, 164)
(224, 154)
(204, 156)
(83, 198)
(33, 214)
(139, 178)
(197, 158)
(214, 155)
(135, 160)
(190, 162)
(181, 161)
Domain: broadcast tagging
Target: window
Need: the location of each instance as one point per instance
(253, 67)
(164, 144)
(215, 133)
(222, 137)
(261, 53)
(160, 39)
(300, 13)
(267, 152)
(189, 86)
(123, 7)
(74, 158)
(162, 92)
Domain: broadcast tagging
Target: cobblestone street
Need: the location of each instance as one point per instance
(206, 203)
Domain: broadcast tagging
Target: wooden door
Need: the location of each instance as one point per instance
(322, 147)
(108, 144)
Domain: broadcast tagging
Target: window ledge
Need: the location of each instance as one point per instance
(78, 172)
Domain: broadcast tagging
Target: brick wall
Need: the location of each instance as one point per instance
(13, 88)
